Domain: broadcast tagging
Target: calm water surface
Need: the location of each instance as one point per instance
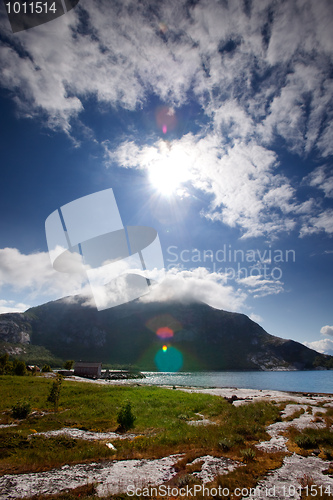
(302, 381)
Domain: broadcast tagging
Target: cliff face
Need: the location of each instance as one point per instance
(15, 328)
(202, 338)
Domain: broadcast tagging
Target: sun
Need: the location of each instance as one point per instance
(168, 173)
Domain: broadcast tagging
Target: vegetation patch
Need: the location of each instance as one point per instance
(295, 414)
(21, 409)
(308, 440)
(154, 412)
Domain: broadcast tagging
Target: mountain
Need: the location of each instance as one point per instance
(196, 336)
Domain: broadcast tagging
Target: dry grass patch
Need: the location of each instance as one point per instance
(254, 471)
(295, 414)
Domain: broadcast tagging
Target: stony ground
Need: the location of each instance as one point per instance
(115, 476)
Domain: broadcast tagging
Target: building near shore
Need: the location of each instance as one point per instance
(91, 370)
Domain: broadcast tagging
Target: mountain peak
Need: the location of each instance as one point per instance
(204, 338)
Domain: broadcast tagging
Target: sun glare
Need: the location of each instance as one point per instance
(167, 174)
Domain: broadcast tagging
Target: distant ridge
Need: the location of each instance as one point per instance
(202, 337)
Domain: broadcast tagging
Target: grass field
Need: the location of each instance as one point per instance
(161, 426)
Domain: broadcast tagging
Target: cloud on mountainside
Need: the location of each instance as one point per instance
(34, 276)
(259, 71)
(324, 346)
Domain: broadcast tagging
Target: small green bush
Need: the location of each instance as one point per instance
(125, 418)
(305, 441)
(21, 410)
(68, 365)
(19, 368)
(54, 394)
(225, 444)
(185, 480)
(46, 369)
(248, 455)
(312, 438)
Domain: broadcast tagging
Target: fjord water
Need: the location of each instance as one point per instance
(295, 381)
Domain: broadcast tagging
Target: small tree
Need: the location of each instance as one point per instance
(21, 410)
(46, 369)
(68, 365)
(20, 368)
(5, 365)
(54, 394)
(125, 418)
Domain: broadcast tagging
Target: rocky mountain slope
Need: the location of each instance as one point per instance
(199, 336)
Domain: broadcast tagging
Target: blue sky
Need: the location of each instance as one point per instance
(211, 121)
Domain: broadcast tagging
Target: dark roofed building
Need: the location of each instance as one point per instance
(83, 369)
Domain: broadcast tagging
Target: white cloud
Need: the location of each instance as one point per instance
(256, 317)
(34, 275)
(319, 223)
(259, 286)
(321, 178)
(197, 285)
(10, 306)
(327, 330)
(258, 73)
(213, 48)
(241, 179)
(324, 346)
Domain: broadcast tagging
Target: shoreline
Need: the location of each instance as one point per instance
(241, 395)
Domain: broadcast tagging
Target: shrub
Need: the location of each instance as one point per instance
(68, 365)
(125, 418)
(185, 480)
(225, 444)
(54, 394)
(21, 410)
(46, 369)
(305, 441)
(328, 454)
(312, 438)
(248, 455)
(19, 368)
(6, 366)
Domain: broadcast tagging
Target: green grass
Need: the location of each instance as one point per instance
(159, 421)
(309, 439)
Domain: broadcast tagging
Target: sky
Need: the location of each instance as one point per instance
(212, 123)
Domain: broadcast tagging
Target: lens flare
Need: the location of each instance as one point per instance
(163, 27)
(168, 359)
(165, 322)
(166, 119)
(165, 332)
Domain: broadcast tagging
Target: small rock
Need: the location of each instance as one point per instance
(110, 445)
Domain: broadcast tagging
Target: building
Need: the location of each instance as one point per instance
(90, 370)
(33, 368)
